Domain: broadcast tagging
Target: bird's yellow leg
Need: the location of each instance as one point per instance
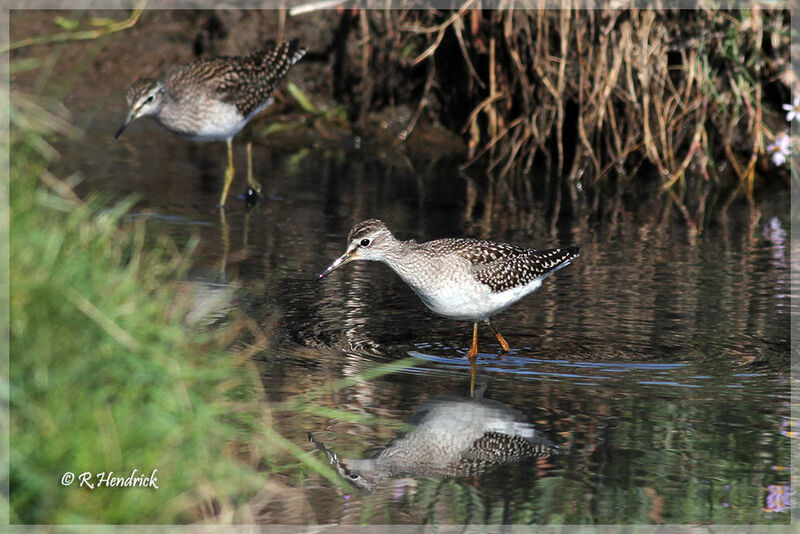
(228, 174)
(250, 179)
(473, 351)
(500, 338)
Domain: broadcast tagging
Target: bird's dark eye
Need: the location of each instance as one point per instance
(365, 242)
(150, 98)
(355, 476)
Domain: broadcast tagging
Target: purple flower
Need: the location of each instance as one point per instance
(780, 148)
(779, 498)
(793, 110)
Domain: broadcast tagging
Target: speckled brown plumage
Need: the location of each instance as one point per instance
(138, 88)
(245, 81)
(490, 450)
(520, 268)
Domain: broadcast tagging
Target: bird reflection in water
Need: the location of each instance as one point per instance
(451, 437)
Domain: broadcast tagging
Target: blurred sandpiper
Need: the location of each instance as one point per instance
(213, 99)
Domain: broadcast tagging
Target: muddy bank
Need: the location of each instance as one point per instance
(487, 86)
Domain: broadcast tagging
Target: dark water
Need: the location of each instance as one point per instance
(659, 358)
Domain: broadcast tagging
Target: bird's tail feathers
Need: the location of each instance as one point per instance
(278, 59)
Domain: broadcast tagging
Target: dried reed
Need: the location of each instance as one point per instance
(585, 94)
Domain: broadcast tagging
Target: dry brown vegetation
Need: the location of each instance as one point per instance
(691, 97)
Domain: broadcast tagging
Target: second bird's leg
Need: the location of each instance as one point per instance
(500, 338)
(473, 351)
(228, 174)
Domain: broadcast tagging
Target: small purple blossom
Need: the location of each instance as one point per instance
(780, 149)
(792, 110)
(399, 491)
(779, 498)
(774, 232)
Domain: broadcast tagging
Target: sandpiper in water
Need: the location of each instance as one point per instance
(459, 278)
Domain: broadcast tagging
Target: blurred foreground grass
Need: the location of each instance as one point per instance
(105, 374)
(110, 372)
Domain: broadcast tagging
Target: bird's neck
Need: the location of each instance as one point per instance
(403, 258)
(396, 255)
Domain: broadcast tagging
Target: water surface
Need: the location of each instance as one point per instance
(659, 357)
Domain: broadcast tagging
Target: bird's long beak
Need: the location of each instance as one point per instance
(128, 120)
(347, 257)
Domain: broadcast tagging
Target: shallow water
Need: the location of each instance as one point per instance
(660, 358)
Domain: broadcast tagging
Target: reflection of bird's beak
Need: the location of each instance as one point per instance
(332, 456)
(125, 124)
(347, 257)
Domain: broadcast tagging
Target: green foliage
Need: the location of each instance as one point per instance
(66, 24)
(300, 97)
(105, 375)
(103, 27)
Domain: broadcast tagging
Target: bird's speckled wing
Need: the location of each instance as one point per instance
(522, 269)
(502, 266)
(475, 251)
(247, 82)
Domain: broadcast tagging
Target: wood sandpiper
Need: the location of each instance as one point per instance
(459, 278)
(213, 99)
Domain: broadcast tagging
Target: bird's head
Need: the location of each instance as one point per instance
(145, 97)
(368, 240)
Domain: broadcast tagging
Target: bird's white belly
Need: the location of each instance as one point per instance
(465, 299)
(455, 303)
(218, 121)
(223, 122)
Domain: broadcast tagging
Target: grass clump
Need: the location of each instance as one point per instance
(105, 374)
